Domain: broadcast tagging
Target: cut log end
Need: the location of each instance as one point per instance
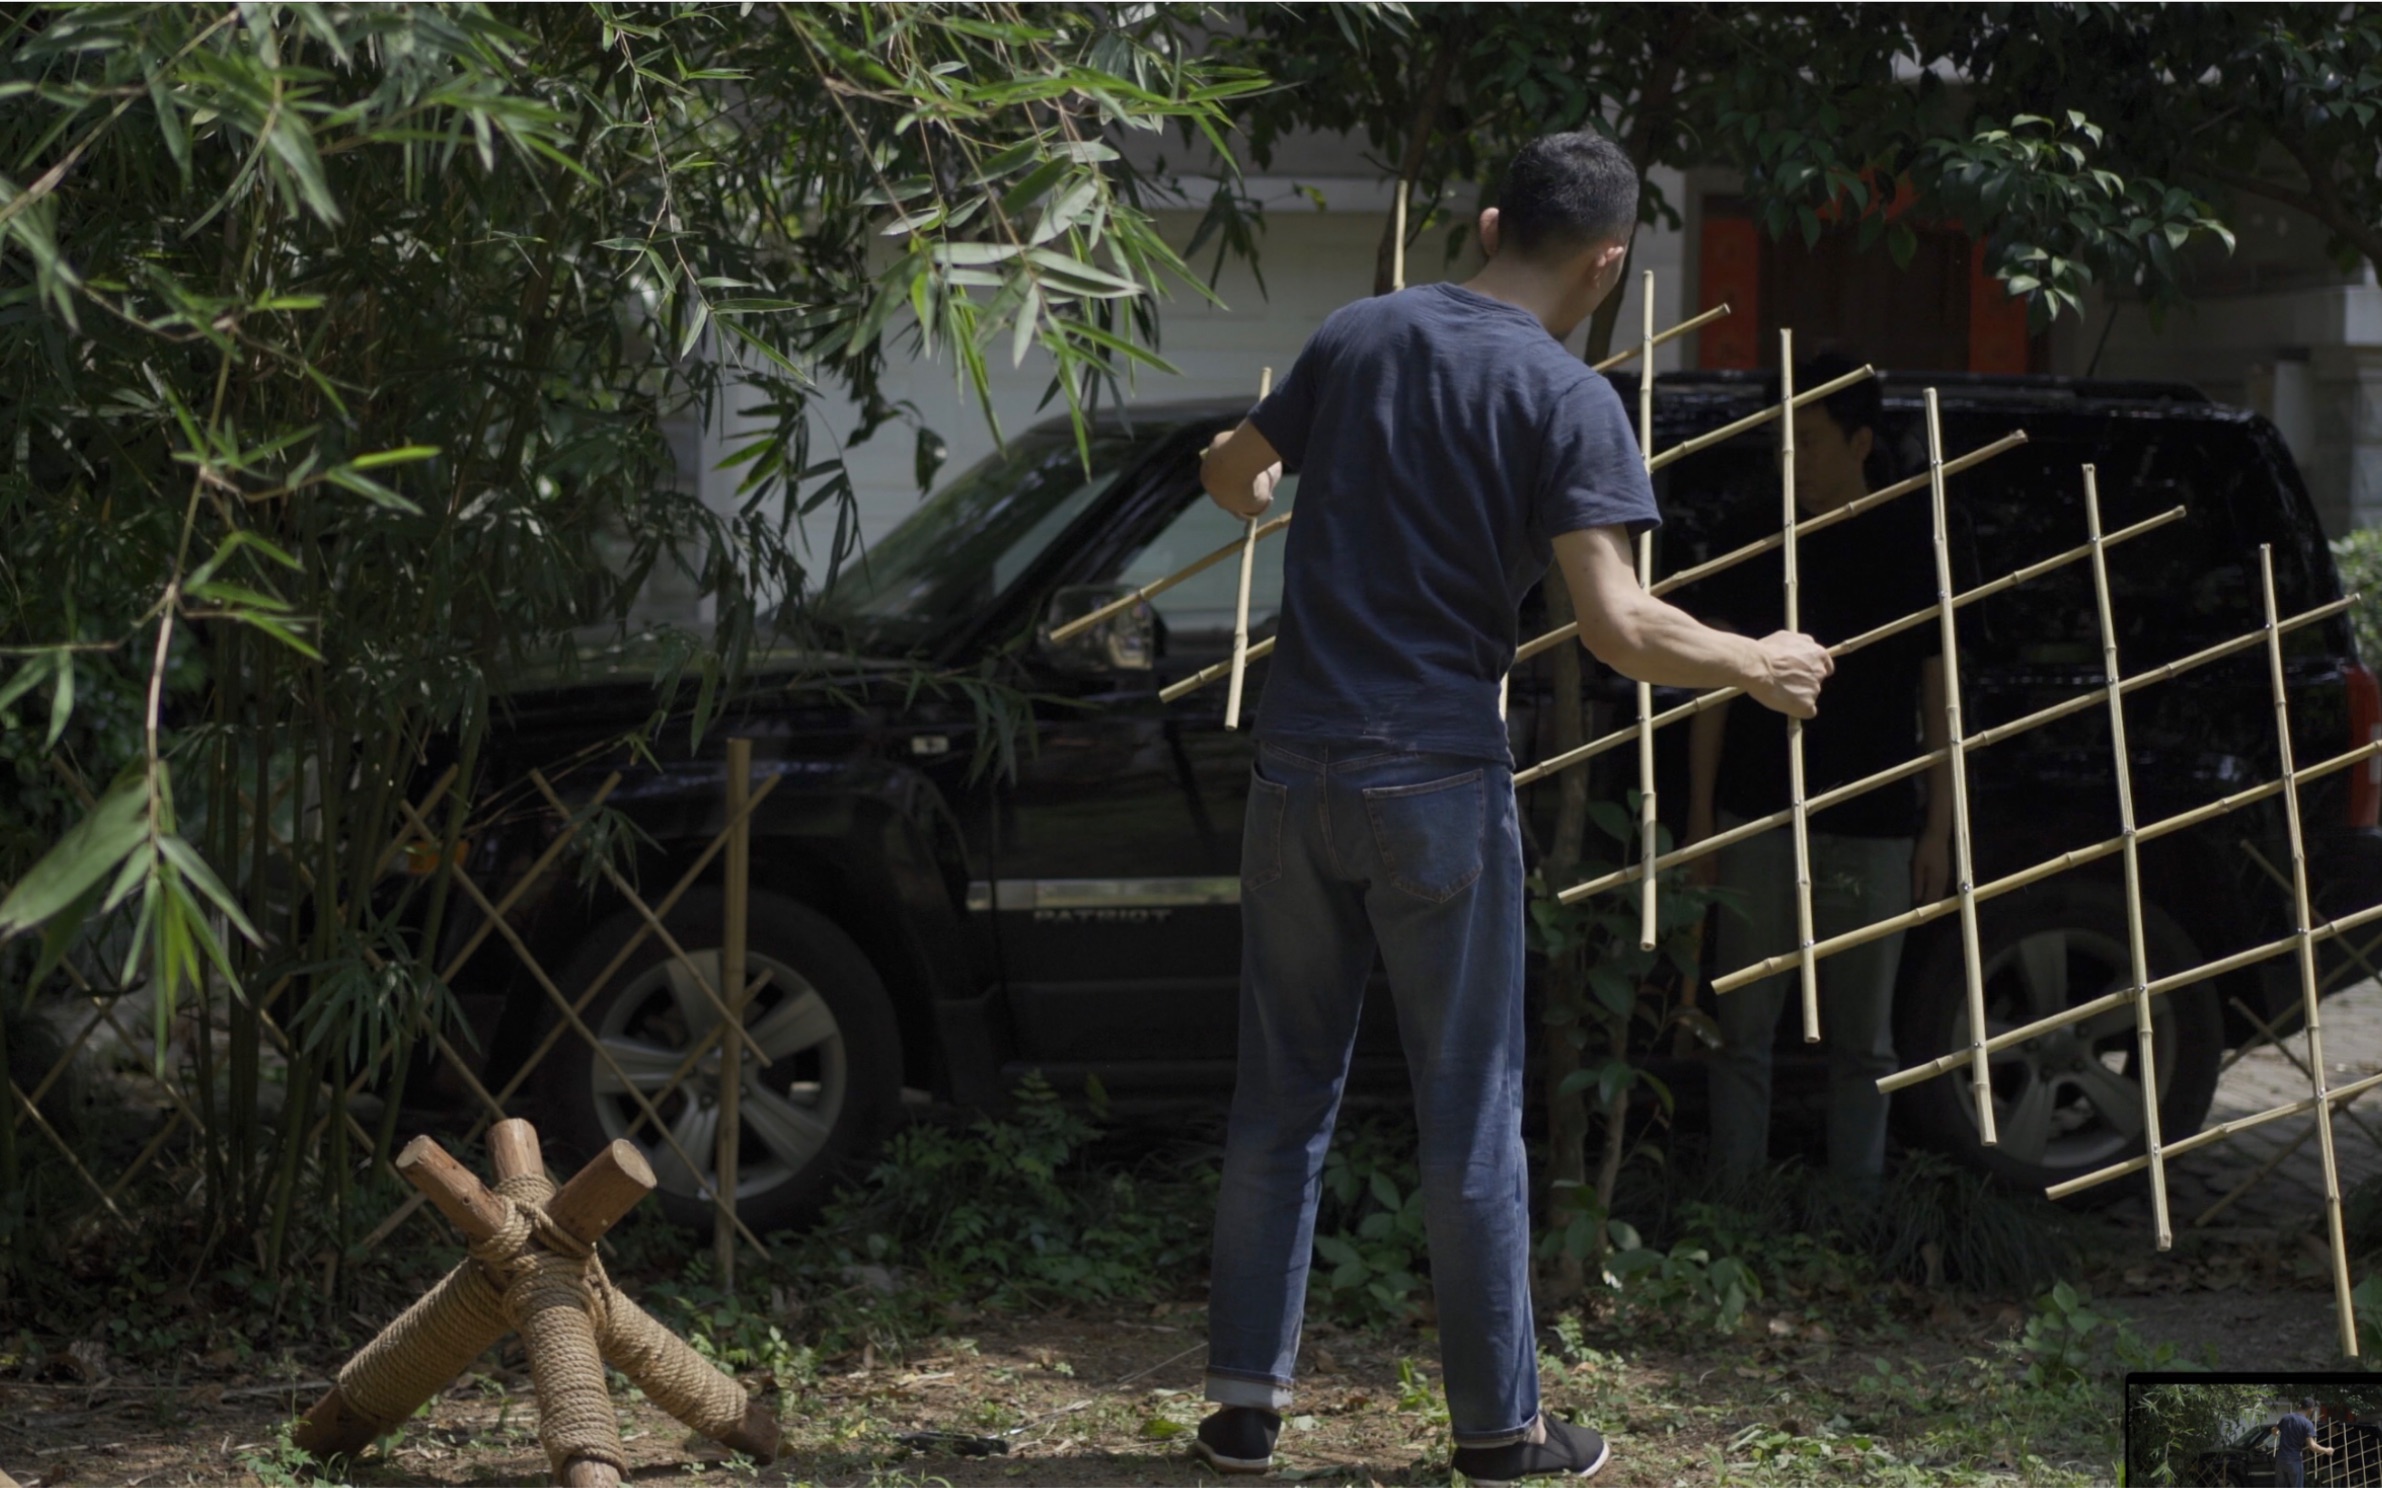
(452, 1188)
(757, 1435)
(611, 1184)
(334, 1428)
(513, 1148)
(586, 1472)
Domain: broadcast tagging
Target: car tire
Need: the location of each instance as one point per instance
(830, 1091)
(2062, 1102)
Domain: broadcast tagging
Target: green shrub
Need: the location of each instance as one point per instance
(2359, 556)
(1010, 1209)
(1369, 1241)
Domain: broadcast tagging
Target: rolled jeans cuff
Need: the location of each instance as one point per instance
(1496, 1438)
(1258, 1391)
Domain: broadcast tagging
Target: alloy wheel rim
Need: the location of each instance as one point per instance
(2071, 1098)
(787, 1107)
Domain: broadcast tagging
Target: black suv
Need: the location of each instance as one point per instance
(939, 933)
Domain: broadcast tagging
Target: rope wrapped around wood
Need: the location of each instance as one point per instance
(549, 1298)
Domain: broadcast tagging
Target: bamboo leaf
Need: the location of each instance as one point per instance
(98, 843)
(61, 700)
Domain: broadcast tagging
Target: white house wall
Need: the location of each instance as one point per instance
(1313, 262)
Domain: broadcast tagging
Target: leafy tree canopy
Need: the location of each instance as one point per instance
(2085, 144)
(341, 344)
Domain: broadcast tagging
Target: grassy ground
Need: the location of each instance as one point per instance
(1110, 1396)
(1016, 1303)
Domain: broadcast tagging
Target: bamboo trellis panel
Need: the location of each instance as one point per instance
(99, 1008)
(1968, 895)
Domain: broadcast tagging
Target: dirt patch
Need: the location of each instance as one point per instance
(1111, 1398)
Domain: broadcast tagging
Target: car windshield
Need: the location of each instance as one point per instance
(973, 538)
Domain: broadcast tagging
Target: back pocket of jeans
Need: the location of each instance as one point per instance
(1261, 834)
(1430, 834)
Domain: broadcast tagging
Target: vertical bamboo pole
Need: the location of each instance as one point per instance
(2302, 925)
(1240, 611)
(1972, 961)
(2135, 944)
(1398, 243)
(1646, 815)
(739, 870)
(1808, 965)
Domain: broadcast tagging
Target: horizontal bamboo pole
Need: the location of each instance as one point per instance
(1727, 432)
(1983, 738)
(1803, 529)
(2074, 858)
(2339, 1095)
(1910, 621)
(1683, 328)
(1082, 623)
(1920, 1073)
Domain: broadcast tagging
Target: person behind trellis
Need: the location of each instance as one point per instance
(2295, 1433)
(1450, 448)
(1871, 856)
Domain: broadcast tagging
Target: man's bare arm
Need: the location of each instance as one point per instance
(1238, 470)
(1651, 640)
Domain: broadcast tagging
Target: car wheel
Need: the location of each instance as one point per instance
(830, 1088)
(2070, 1101)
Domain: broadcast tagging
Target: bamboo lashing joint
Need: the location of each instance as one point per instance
(1843, 648)
(1804, 528)
(533, 1269)
(1982, 739)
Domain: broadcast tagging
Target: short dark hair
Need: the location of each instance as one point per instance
(2307, 1402)
(1565, 191)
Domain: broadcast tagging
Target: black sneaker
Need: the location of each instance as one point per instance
(1238, 1439)
(1568, 1452)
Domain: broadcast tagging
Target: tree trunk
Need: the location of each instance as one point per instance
(1567, 985)
(1410, 167)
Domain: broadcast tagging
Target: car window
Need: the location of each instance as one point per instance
(1199, 611)
(973, 538)
(2174, 590)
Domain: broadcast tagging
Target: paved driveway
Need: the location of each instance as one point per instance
(2279, 1160)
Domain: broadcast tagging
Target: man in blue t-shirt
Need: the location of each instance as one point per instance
(1450, 448)
(2295, 1433)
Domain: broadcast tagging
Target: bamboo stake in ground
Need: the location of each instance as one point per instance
(1807, 968)
(1240, 608)
(1972, 961)
(1648, 844)
(2145, 1037)
(2303, 928)
(738, 883)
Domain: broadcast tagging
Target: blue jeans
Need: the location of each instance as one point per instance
(1348, 849)
(2289, 1472)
